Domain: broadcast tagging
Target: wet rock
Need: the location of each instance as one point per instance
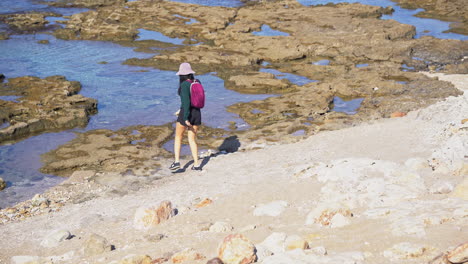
(55, 238)
(459, 254)
(186, 256)
(2, 184)
(96, 245)
(85, 3)
(237, 249)
(45, 104)
(44, 41)
(152, 216)
(26, 22)
(271, 209)
(220, 227)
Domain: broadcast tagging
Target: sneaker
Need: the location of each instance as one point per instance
(175, 165)
(196, 168)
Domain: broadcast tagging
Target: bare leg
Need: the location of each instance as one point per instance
(180, 129)
(192, 139)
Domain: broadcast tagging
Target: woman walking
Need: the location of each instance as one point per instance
(189, 118)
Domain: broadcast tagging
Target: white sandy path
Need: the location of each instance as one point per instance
(236, 182)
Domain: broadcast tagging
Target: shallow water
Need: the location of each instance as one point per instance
(424, 26)
(293, 78)
(346, 106)
(268, 31)
(127, 95)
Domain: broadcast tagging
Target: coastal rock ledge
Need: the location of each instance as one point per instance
(39, 105)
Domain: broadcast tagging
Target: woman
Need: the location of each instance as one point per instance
(189, 118)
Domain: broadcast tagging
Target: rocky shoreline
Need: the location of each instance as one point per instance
(330, 198)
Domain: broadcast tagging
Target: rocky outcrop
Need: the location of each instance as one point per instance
(48, 104)
(27, 22)
(126, 150)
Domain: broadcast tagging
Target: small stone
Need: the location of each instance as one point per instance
(459, 254)
(405, 250)
(464, 121)
(271, 209)
(54, 238)
(95, 245)
(2, 184)
(43, 41)
(274, 242)
(237, 249)
(186, 255)
(321, 251)
(38, 200)
(204, 203)
(441, 188)
(220, 227)
(134, 259)
(149, 217)
(339, 220)
(215, 261)
(397, 114)
(295, 242)
(154, 238)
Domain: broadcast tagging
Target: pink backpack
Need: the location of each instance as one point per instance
(197, 94)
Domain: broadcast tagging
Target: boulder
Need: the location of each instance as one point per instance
(237, 249)
(148, 217)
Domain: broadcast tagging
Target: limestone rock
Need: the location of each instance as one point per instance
(54, 238)
(339, 220)
(237, 249)
(274, 208)
(321, 251)
(2, 184)
(186, 255)
(204, 203)
(296, 242)
(459, 254)
(149, 217)
(274, 243)
(220, 227)
(461, 190)
(405, 250)
(215, 261)
(397, 114)
(134, 259)
(25, 260)
(441, 188)
(95, 245)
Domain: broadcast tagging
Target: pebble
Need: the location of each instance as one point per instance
(134, 259)
(220, 227)
(187, 255)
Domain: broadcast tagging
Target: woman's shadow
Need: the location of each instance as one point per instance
(230, 145)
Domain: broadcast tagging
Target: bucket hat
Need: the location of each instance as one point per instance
(185, 69)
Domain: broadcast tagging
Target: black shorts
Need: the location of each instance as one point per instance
(194, 116)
